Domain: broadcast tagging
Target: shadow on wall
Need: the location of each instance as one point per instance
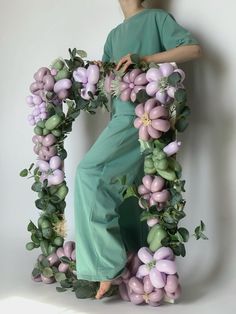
(210, 120)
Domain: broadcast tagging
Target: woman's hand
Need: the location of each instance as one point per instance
(125, 62)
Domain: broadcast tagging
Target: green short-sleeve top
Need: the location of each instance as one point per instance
(146, 32)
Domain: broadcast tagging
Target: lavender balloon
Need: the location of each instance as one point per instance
(89, 78)
(132, 82)
(172, 148)
(151, 119)
(38, 106)
(153, 190)
(158, 85)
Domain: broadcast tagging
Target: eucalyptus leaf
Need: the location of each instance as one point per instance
(181, 124)
(36, 187)
(31, 226)
(24, 173)
(145, 215)
(91, 94)
(179, 107)
(176, 250)
(47, 272)
(154, 65)
(186, 111)
(45, 262)
(45, 183)
(51, 208)
(36, 272)
(44, 247)
(144, 202)
(59, 276)
(174, 78)
(60, 289)
(182, 249)
(36, 170)
(40, 203)
(31, 166)
(35, 239)
(55, 199)
(179, 237)
(165, 241)
(84, 292)
(65, 259)
(168, 218)
(135, 58)
(202, 225)
(181, 95)
(82, 53)
(142, 96)
(62, 154)
(184, 233)
(199, 231)
(129, 192)
(66, 283)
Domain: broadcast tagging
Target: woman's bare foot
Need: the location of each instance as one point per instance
(103, 288)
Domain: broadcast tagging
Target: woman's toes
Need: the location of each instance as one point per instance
(104, 287)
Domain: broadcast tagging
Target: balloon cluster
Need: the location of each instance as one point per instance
(50, 266)
(153, 190)
(157, 91)
(39, 109)
(89, 78)
(149, 278)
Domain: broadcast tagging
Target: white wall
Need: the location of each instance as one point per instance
(33, 33)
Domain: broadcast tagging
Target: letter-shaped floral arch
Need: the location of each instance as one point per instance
(58, 94)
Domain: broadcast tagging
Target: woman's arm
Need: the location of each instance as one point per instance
(180, 54)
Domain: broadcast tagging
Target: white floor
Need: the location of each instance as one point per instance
(213, 294)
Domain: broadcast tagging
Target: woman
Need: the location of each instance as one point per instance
(101, 240)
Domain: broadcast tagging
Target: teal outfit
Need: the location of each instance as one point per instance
(106, 225)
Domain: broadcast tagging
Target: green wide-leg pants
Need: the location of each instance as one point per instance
(106, 225)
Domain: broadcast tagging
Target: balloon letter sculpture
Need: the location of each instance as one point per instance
(159, 97)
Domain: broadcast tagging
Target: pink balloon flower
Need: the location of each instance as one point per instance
(89, 78)
(157, 265)
(153, 190)
(151, 119)
(132, 82)
(159, 86)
